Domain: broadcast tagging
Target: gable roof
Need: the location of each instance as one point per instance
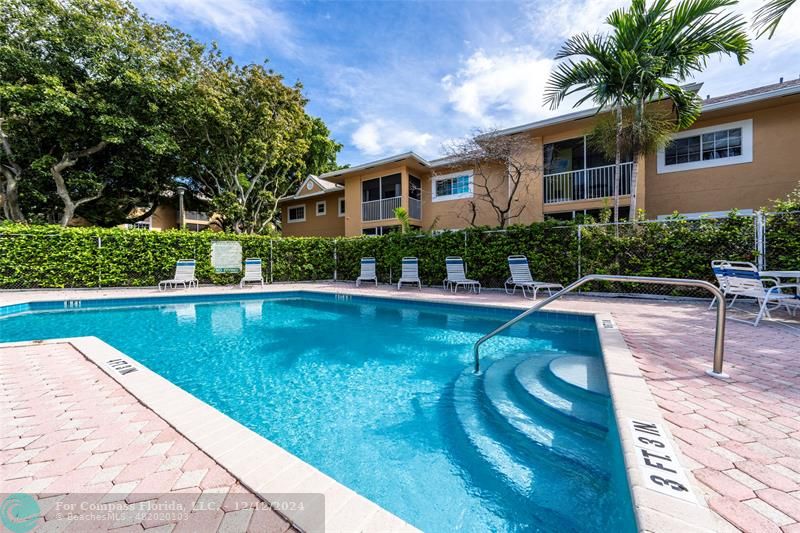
(325, 187)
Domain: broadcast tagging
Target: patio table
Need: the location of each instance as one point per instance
(782, 274)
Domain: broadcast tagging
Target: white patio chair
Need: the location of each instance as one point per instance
(252, 272)
(457, 275)
(719, 267)
(521, 277)
(184, 274)
(409, 272)
(367, 271)
(743, 279)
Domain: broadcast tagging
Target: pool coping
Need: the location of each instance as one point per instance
(237, 448)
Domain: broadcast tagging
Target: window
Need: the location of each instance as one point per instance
(452, 187)
(341, 206)
(322, 207)
(296, 213)
(725, 144)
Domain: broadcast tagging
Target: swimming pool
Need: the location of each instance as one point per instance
(378, 394)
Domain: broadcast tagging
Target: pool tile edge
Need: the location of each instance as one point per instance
(193, 418)
(632, 400)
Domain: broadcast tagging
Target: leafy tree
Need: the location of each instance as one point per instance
(251, 142)
(650, 52)
(769, 15)
(88, 90)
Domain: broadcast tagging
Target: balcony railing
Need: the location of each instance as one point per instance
(379, 209)
(586, 184)
(414, 208)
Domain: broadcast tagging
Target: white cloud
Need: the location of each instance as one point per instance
(379, 137)
(243, 20)
(494, 88)
(563, 19)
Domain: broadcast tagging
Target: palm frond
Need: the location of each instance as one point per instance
(768, 16)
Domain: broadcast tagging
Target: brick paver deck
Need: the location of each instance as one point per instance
(740, 437)
(71, 434)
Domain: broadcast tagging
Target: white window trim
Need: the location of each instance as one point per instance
(339, 206)
(324, 208)
(460, 196)
(747, 148)
(289, 218)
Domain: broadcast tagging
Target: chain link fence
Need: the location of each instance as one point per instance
(556, 253)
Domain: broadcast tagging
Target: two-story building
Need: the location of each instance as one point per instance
(738, 155)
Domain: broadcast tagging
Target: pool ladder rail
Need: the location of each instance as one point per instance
(719, 339)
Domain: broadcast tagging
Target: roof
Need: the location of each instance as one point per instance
(364, 166)
(325, 186)
(765, 92)
(776, 90)
(569, 117)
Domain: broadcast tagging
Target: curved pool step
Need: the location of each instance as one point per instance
(536, 382)
(509, 471)
(479, 434)
(532, 421)
(582, 374)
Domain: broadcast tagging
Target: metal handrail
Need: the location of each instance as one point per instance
(719, 340)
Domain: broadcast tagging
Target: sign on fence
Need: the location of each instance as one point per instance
(226, 256)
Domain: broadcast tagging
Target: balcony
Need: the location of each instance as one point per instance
(586, 184)
(414, 208)
(379, 209)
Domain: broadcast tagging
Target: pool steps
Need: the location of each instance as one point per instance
(507, 420)
(536, 382)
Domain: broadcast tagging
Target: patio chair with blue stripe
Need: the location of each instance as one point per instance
(457, 275)
(410, 272)
(521, 277)
(252, 272)
(743, 279)
(184, 274)
(367, 271)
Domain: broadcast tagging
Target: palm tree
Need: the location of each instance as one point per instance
(654, 49)
(604, 74)
(401, 214)
(769, 16)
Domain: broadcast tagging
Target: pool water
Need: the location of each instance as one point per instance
(379, 395)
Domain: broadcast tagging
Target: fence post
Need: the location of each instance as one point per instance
(99, 263)
(335, 259)
(270, 261)
(580, 226)
(761, 239)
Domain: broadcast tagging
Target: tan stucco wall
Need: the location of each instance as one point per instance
(773, 173)
(328, 225)
(165, 217)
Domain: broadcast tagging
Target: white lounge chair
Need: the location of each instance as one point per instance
(367, 271)
(720, 269)
(184, 274)
(410, 272)
(457, 275)
(252, 272)
(743, 279)
(521, 277)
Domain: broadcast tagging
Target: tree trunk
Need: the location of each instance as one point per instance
(68, 160)
(12, 172)
(11, 207)
(617, 162)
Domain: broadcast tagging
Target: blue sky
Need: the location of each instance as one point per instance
(388, 77)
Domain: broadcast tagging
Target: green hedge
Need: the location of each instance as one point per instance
(50, 256)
